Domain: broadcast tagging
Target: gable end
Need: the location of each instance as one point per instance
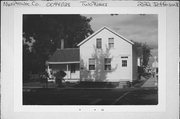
(92, 35)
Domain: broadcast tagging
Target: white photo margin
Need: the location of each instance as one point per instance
(18, 25)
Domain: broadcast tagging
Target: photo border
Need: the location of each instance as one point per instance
(18, 107)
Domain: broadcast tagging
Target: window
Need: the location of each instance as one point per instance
(111, 42)
(107, 64)
(124, 63)
(73, 68)
(91, 64)
(99, 43)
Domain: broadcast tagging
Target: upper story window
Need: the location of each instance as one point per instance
(99, 43)
(107, 64)
(91, 64)
(111, 42)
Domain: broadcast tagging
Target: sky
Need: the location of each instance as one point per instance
(135, 27)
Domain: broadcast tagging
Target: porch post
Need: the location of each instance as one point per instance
(67, 69)
(48, 70)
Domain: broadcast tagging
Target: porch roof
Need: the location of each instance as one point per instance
(65, 56)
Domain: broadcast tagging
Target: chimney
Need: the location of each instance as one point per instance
(62, 44)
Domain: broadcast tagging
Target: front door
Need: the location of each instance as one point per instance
(125, 67)
(74, 72)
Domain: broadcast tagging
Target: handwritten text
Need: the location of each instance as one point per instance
(58, 4)
(157, 4)
(20, 3)
(93, 4)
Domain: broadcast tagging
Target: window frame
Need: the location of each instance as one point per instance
(92, 64)
(107, 64)
(111, 43)
(124, 63)
(98, 43)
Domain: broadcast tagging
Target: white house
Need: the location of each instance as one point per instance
(103, 56)
(107, 56)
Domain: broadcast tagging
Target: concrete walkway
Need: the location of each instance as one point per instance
(151, 82)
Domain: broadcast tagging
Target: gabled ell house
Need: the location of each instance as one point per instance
(104, 56)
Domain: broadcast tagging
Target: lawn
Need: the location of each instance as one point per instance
(81, 96)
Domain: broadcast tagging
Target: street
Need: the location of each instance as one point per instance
(93, 96)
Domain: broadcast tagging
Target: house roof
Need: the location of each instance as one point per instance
(64, 56)
(100, 31)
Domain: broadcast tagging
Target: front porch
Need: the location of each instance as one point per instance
(71, 69)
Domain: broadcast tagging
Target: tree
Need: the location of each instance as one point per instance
(45, 32)
(143, 51)
(71, 28)
(59, 77)
(99, 73)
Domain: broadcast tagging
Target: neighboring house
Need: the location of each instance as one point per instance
(103, 56)
(155, 67)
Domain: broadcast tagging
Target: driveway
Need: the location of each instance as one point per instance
(151, 82)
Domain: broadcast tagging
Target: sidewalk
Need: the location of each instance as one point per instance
(151, 82)
(38, 85)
